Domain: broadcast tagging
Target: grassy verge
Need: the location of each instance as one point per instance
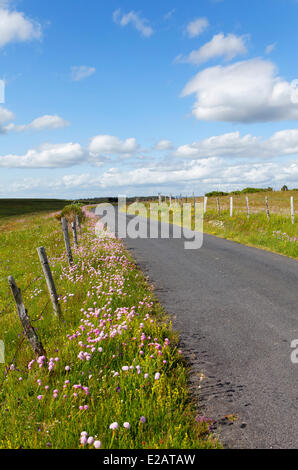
(278, 235)
(113, 358)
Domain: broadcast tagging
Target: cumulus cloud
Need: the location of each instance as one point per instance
(46, 156)
(139, 23)
(208, 171)
(196, 27)
(16, 27)
(164, 145)
(5, 116)
(248, 91)
(205, 174)
(39, 124)
(80, 72)
(101, 148)
(231, 144)
(228, 47)
(109, 145)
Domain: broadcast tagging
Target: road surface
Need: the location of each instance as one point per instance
(236, 309)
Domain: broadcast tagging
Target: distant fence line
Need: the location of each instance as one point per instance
(179, 200)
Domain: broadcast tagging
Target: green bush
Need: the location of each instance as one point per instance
(71, 211)
(235, 193)
(216, 193)
(255, 190)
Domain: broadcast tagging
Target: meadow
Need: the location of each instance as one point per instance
(11, 207)
(113, 376)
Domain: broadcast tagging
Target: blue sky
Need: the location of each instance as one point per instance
(134, 97)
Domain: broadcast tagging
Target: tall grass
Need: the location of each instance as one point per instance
(277, 234)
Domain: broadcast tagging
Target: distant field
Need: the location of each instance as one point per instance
(11, 207)
(279, 202)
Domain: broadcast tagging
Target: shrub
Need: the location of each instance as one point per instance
(71, 211)
(236, 193)
(255, 190)
(216, 193)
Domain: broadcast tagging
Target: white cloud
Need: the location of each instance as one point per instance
(101, 148)
(232, 145)
(196, 27)
(108, 145)
(228, 46)
(5, 115)
(46, 156)
(16, 27)
(210, 171)
(270, 48)
(164, 145)
(248, 91)
(80, 72)
(141, 24)
(206, 174)
(41, 123)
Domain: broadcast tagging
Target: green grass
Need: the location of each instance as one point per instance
(278, 235)
(103, 292)
(10, 207)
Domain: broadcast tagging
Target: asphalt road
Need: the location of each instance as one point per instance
(236, 309)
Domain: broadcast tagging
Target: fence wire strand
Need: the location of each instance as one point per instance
(21, 342)
(39, 278)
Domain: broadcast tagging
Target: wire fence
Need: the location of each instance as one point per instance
(11, 302)
(17, 301)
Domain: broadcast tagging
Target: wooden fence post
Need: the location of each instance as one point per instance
(79, 224)
(75, 236)
(205, 204)
(231, 206)
(67, 241)
(159, 198)
(218, 206)
(247, 207)
(49, 279)
(267, 208)
(22, 313)
(292, 210)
